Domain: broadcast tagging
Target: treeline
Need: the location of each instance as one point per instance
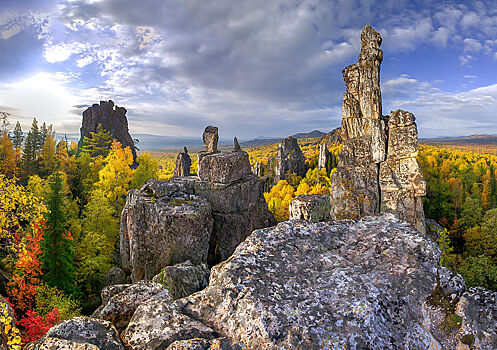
(462, 197)
(59, 220)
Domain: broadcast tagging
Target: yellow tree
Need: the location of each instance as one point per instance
(115, 177)
(8, 156)
(279, 198)
(486, 191)
(48, 156)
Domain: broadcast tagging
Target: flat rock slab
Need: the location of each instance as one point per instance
(224, 167)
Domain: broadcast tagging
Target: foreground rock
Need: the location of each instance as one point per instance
(361, 285)
(314, 207)
(120, 307)
(80, 333)
(377, 169)
(183, 164)
(183, 279)
(112, 118)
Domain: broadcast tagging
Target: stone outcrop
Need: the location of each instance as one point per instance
(183, 279)
(198, 218)
(210, 138)
(120, 307)
(314, 207)
(289, 159)
(79, 333)
(112, 118)
(377, 169)
(163, 224)
(183, 164)
(324, 157)
(373, 283)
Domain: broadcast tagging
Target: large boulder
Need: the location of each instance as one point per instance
(161, 225)
(314, 207)
(80, 333)
(289, 159)
(120, 307)
(157, 324)
(183, 279)
(374, 283)
(224, 167)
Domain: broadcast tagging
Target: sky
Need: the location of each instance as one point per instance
(253, 68)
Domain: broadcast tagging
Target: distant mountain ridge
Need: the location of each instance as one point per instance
(458, 140)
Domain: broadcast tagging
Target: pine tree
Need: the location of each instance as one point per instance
(57, 247)
(44, 131)
(48, 157)
(99, 142)
(17, 137)
(32, 148)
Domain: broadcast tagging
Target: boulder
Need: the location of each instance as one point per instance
(204, 344)
(236, 145)
(183, 279)
(224, 167)
(158, 323)
(314, 207)
(119, 308)
(158, 231)
(115, 275)
(324, 157)
(80, 333)
(112, 118)
(360, 284)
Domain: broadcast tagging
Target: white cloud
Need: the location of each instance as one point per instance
(472, 45)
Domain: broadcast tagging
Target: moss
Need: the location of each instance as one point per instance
(468, 339)
(179, 202)
(448, 305)
(452, 322)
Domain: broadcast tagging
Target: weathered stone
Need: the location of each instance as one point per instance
(50, 343)
(289, 159)
(86, 331)
(183, 279)
(157, 324)
(112, 118)
(210, 138)
(324, 157)
(257, 169)
(236, 145)
(115, 275)
(224, 167)
(183, 164)
(433, 229)
(377, 169)
(203, 344)
(164, 230)
(351, 284)
(119, 308)
(314, 207)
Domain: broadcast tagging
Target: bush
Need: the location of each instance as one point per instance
(48, 298)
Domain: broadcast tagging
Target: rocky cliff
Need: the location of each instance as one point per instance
(377, 169)
(373, 283)
(289, 159)
(112, 118)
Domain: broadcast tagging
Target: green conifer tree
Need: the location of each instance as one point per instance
(98, 144)
(58, 254)
(17, 136)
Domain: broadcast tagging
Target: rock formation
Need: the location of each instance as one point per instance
(112, 118)
(377, 169)
(236, 145)
(324, 157)
(289, 159)
(313, 207)
(210, 138)
(198, 218)
(183, 164)
(373, 283)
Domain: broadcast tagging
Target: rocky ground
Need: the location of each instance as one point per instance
(373, 283)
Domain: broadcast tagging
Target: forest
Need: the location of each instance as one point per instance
(60, 205)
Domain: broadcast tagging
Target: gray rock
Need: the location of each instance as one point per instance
(289, 159)
(377, 169)
(314, 207)
(324, 156)
(350, 284)
(210, 138)
(203, 344)
(112, 118)
(433, 229)
(89, 333)
(115, 275)
(158, 231)
(223, 167)
(257, 169)
(183, 164)
(236, 145)
(119, 308)
(183, 279)
(157, 324)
